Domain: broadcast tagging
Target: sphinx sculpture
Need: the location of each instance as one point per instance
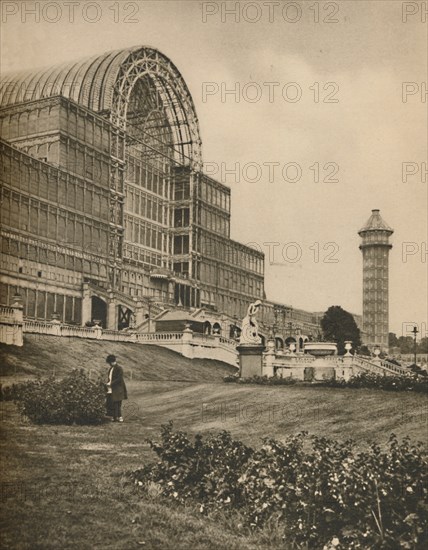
(250, 328)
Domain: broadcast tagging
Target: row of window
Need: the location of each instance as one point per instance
(213, 221)
(156, 158)
(138, 254)
(84, 161)
(85, 127)
(141, 232)
(235, 307)
(27, 252)
(214, 195)
(42, 220)
(149, 207)
(42, 305)
(48, 115)
(230, 278)
(74, 158)
(305, 318)
(227, 251)
(55, 186)
(40, 119)
(146, 206)
(141, 174)
(133, 290)
(378, 236)
(376, 252)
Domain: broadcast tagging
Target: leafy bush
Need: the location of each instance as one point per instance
(320, 491)
(202, 470)
(231, 378)
(263, 380)
(408, 382)
(74, 399)
(11, 393)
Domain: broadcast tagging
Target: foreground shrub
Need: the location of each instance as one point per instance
(231, 378)
(11, 393)
(262, 380)
(202, 470)
(74, 399)
(407, 382)
(321, 492)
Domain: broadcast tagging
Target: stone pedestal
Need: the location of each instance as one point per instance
(269, 358)
(187, 348)
(139, 313)
(250, 360)
(56, 325)
(347, 370)
(86, 305)
(112, 314)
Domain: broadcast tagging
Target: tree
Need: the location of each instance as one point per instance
(364, 350)
(406, 344)
(392, 340)
(423, 345)
(338, 326)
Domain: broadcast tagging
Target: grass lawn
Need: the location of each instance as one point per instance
(62, 486)
(45, 355)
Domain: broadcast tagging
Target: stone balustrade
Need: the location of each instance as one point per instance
(310, 367)
(378, 366)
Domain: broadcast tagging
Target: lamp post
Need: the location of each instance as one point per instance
(415, 331)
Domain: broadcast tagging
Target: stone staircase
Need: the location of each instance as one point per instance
(378, 366)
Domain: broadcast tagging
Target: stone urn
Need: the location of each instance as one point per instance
(320, 349)
(348, 347)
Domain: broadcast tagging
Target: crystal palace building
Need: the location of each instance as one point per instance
(106, 213)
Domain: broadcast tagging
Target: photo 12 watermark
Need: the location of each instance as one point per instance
(272, 412)
(269, 92)
(414, 252)
(414, 172)
(70, 12)
(414, 92)
(414, 12)
(273, 172)
(277, 253)
(271, 12)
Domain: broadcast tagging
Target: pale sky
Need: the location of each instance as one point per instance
(361, 60)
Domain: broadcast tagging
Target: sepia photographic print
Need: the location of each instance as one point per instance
(213, 277)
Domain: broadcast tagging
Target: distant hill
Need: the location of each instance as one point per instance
(43, 355)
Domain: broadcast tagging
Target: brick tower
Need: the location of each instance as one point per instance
(375, 247)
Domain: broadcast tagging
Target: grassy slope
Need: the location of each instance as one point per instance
(79, 469)
(44, 354)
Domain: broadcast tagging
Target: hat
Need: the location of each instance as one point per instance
(111, 359)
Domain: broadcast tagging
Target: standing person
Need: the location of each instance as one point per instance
(116, 389)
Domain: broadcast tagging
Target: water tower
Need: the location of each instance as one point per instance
(375, 247)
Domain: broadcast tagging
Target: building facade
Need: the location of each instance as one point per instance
(106, 214)
(375, 247)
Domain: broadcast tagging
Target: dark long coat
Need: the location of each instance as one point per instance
(118, 386)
